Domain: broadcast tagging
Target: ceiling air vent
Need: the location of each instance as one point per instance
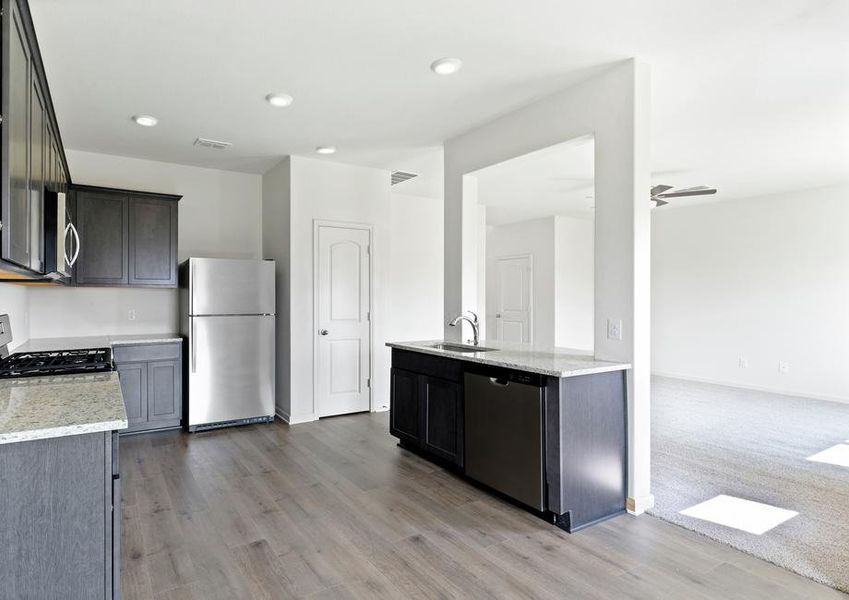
(402, 176)
(214, 144)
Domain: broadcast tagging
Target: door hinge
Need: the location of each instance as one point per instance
(368, 250)
(368, 315)
(368, 383)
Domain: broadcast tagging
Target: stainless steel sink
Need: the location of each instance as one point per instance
(461, 347)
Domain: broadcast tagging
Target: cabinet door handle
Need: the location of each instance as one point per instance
(65, 247)
(77, 248)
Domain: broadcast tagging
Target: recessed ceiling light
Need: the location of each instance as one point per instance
(446, 66)
(279, 100)
(325, 149)
(145, 120)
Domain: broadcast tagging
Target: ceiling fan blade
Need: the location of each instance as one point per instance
(699, 191)
(658, 202)
(659, 189)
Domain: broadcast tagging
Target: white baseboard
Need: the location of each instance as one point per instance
(754, 388)
(637, 506)
(287, 418)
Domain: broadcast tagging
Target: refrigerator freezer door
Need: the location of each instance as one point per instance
(231, 368)
(223, 286)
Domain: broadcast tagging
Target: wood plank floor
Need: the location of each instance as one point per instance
(334, 509)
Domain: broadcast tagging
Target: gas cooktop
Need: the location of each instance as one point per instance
(61, 362)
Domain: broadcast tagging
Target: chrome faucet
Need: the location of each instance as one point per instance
(473, 321)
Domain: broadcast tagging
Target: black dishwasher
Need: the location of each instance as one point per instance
(504, 433)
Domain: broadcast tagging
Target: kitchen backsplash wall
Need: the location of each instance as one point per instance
(101, 311)
(14, 301)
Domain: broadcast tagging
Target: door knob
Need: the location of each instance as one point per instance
(324, 332)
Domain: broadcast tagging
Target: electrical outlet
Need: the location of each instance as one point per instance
(743, 362)
(783, 367)
(614, 329)
(131, 314)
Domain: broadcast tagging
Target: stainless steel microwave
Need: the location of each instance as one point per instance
(61, 240)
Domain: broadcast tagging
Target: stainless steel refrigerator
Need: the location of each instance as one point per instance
(227, 320)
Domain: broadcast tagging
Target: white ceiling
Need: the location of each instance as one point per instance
(554, 181)
(750, 96)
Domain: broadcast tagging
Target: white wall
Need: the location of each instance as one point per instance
(563, 294)
(406, 248)
(615, 107)
(415, 278)
(535, 237)
(326, 190)
(14, 301)
(219, 216)
(763, 278)
(574, 283)
(276, 223)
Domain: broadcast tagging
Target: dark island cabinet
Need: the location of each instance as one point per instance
(151, 383)
(442, 403)
(426, 404)
(32, 160)
(126, 238)
(61, 516)
(404, 406)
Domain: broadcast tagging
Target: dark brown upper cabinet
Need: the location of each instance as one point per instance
(153, 241)
(32, 159)
(126, 238)
(102, 222)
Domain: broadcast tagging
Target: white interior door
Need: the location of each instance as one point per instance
(514, 299)
(343, 295)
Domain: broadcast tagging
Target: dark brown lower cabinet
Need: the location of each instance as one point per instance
(404, 406)
(151, 383)
(426, 405)
(442, 407)
(61, 514)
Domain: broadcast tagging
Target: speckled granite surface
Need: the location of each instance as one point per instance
(95, 341)
(546, 360)
(33, 408)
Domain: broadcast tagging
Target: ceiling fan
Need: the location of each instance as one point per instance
(660, 193)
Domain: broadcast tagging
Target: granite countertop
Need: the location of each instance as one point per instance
(546, 360)
(95, 341)
(34, 408)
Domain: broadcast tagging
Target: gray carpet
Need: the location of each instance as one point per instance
(709, 440)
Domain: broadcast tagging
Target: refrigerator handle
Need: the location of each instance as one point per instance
(191, 288)
(193, 335)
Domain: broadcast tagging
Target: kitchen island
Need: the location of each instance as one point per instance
(544, 427)
(61, 508)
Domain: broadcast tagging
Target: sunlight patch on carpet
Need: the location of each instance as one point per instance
(836, 455)
(745, 515)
